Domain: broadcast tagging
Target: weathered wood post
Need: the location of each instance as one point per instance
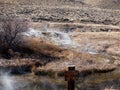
(70, 76)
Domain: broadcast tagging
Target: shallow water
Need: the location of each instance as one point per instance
(95, 81)
(30, 82)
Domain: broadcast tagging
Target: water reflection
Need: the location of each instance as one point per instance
(96, 81)
(6, 83)
(29, 82)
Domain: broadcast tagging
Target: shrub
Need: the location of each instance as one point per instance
(10, 29)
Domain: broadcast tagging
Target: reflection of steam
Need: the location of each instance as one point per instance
(57, 37)
(7, 82)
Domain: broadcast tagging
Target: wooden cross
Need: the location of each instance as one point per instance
(70, 76)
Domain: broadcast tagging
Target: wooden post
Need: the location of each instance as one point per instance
(70, 76)
(33, 69)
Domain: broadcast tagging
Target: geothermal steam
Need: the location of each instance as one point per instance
(57, 37)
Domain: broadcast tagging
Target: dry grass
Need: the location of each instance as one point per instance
(83, 62)
(4, 63)
(107, 42)
(46, 48)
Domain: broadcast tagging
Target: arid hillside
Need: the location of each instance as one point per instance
(86, 17)
(105, 4)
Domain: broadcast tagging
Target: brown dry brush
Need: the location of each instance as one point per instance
(10, 29)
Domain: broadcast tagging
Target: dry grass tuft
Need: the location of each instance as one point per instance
(84, 62)
(46, 48)
(107, 42)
